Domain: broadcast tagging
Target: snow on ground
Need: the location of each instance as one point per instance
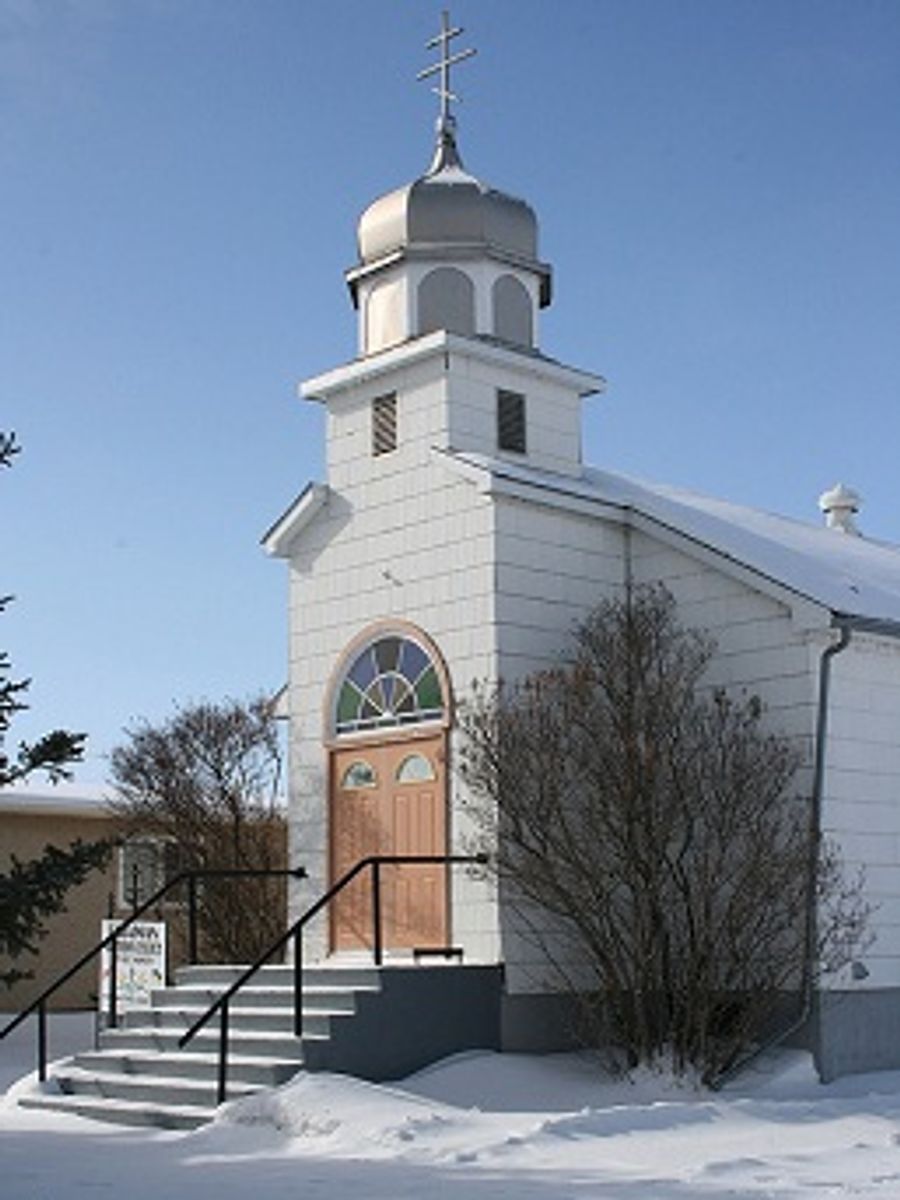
(479, 1125)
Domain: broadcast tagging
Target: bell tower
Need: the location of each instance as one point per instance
(448, 251)
(398, 599)
(448, 287)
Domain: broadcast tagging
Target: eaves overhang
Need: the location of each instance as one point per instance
(493, 477)
(880, 627)
(580, 495)
(441, 343)
(277, 540)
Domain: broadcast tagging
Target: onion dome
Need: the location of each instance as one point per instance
(448, 215)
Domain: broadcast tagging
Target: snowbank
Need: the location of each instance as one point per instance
(489, 1127)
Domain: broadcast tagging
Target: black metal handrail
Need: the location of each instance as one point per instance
(376, 862)
(111, 939)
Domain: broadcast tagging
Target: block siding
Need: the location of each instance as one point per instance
(759, 647)
(500, 586)
(761, 650)
(552, 568)
(499, 583)
(399, 537)
(862, 788)
(553, 415)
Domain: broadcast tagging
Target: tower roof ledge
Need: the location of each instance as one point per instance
(441, 343)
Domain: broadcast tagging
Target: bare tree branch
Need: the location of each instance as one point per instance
(206, 782)
(653, 820)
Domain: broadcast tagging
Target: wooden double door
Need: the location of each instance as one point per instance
(390, 798)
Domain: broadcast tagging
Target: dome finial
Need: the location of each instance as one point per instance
(446, 153)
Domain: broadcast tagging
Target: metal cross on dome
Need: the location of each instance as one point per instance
(447, 60)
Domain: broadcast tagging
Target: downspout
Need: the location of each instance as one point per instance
(815, 820)
(818, 792)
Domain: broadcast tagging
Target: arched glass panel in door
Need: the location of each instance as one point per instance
(393, 681)
(415, 768)
(359, 774)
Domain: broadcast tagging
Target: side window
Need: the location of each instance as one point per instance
(384, 317)
(513, 320)
(145, 864)
(384, 424)
(446, 300)
(511, 422)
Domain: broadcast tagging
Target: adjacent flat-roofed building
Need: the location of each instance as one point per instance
(30, 819)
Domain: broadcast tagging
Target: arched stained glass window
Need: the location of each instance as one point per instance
(393, 681)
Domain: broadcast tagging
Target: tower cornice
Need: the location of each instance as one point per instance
(441, 343)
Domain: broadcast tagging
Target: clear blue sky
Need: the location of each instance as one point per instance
(718, 185)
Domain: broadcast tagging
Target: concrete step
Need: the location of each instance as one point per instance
(155, 1089)
(267, 1018)
(261, 1071)
(255, 1043)
(221, 976)
(124, 1112)
(355, 1021)
(315, 999)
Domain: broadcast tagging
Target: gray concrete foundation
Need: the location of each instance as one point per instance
(857, 1031)
(538, 1023)
(420, 1014)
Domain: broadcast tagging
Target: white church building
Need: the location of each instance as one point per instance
(459, 536)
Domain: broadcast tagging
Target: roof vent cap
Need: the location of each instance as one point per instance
(840, 505)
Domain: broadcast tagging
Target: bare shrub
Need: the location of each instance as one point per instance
(204, 784)
(652, 820)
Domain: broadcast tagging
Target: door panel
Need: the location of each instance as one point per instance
(390, 816)
(355, 826)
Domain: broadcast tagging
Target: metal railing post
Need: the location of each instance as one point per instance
(377, 948)
(110, 942)
(192, 919)
(223, 1054)
(295, 932)
(113, 983)
(42, 1042)
(298, 984)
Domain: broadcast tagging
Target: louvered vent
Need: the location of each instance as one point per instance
(511, 422)
(384, 424)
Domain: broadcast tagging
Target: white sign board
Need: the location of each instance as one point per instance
(140, 964)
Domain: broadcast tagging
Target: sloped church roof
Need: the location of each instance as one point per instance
(851, 576)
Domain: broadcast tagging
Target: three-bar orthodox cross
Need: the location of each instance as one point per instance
(447, 60)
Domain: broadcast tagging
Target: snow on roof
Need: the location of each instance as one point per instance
(61, 800)
(851, 576)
